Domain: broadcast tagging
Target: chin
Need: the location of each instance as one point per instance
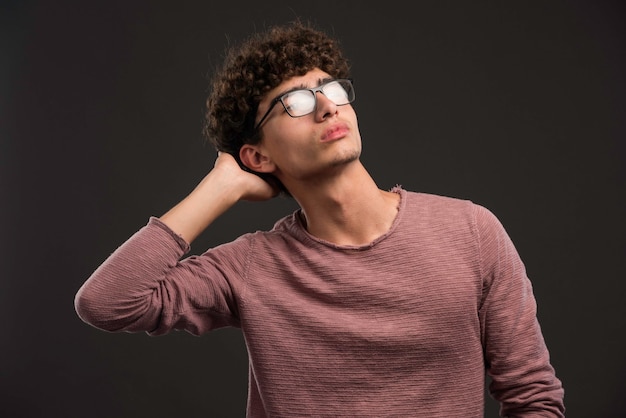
(347, 157)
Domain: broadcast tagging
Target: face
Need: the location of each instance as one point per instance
(316, 144)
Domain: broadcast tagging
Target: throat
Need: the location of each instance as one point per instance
(353, 224)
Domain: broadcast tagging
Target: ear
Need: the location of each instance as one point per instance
(253, 157)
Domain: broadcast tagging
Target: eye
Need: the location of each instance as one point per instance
(299, 102)
(335, 92)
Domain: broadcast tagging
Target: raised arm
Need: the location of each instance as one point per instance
(226, 184)
(144, 286)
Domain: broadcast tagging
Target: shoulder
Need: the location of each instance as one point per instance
(282, 233)
(446, 213)
(438, 208)
(441, 206)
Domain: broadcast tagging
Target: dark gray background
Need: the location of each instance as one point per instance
(518, 106)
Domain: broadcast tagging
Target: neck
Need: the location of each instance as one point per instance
(347, 209)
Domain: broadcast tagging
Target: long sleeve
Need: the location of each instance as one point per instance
(516, 355)
(143, 286)
(410, 320)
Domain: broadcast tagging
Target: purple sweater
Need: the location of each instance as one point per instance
(404, 326)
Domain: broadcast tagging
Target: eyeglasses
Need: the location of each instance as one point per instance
(302, 102)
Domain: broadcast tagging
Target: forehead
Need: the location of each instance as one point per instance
(311, 79)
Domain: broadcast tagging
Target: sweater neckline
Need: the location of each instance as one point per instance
(301, 230)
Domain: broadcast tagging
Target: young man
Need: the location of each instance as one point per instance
(364, 302)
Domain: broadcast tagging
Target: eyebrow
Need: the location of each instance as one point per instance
(302, 86)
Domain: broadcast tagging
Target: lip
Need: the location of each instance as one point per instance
(334, 132)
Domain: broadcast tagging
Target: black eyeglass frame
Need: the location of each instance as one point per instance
(313, 90)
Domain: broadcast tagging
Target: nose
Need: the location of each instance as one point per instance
(324, 107)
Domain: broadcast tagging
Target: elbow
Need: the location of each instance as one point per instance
(88, 309)
(108, 311)
(94, 308)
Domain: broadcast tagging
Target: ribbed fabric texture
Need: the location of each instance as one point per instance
(402, 327)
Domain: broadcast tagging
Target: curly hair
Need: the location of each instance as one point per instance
(256, 66)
